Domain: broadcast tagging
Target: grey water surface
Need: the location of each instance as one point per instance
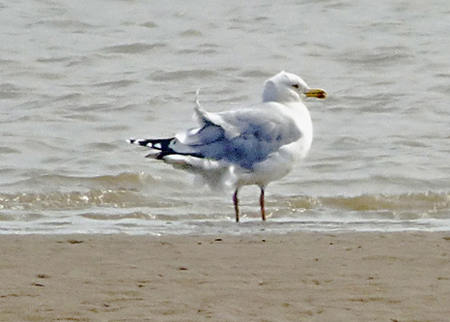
(78, 78)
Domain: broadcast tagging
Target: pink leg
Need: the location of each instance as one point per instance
(236, 206)
(261, 203)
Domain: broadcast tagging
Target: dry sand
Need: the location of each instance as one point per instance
(296, 277)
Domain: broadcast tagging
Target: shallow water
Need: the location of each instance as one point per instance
(79, 78)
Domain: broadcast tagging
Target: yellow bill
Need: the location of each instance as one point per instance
(316, 92)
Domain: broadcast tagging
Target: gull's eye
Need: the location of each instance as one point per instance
(295, 86)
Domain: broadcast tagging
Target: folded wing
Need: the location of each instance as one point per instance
(243, 137)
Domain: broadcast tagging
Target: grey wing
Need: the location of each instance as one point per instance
(242, 137)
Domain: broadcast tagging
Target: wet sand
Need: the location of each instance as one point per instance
(295, 277)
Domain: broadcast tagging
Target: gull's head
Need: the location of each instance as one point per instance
(286, 87)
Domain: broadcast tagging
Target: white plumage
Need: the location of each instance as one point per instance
(248, 146)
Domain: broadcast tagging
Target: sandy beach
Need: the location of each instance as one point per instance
(296, 277)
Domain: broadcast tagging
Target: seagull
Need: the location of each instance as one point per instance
(253, 145)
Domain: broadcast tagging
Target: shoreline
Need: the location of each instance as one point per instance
(294, 277)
